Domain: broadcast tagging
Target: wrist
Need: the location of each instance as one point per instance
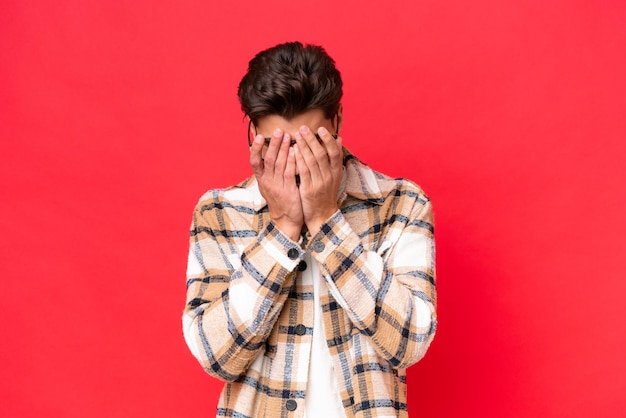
(314, 225)
(289, 229)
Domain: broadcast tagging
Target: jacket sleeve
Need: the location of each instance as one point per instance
(234, 295)
(388, 293)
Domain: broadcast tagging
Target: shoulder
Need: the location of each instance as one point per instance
(379, 187)
(242, 191)
(240, 197)
(398, 186)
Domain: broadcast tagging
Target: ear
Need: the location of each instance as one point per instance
(339, 117)
(251, 131)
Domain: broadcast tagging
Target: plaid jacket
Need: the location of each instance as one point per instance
(248, 318)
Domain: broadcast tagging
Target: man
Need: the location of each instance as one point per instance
(310, 285)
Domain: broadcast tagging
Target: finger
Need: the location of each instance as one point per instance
(306, 163)
(318, 149)
(308, 157)
(333, 147)
(290, 168)
(315, 156)
(303, 168)
(272, 149)
(256, 155)
(281, 158)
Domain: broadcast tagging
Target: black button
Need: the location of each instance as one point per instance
(300, 329)
(302, 265)
(318, 246)
(291, 405)
(293, 253)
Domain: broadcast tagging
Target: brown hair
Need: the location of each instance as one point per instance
(289, 79)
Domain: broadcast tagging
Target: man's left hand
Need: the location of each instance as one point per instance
(320, 166)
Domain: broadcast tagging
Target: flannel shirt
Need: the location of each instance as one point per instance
(248, 318)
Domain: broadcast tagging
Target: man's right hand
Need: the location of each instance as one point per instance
(276, 175)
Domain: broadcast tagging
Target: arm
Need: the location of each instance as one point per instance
(233, 301)
(389, 294)
(234, 296)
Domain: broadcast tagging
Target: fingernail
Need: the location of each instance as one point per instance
(286, 138)
(278, 133)
(259, 139)
(298, 136)
(322, 131)
(304, 129)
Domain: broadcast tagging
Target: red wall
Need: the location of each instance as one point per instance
(116, 116)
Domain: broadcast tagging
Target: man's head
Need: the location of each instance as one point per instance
(288, 80)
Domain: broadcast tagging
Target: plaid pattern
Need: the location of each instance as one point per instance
(248, 317)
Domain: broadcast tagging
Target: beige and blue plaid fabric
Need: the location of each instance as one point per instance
(248, 317)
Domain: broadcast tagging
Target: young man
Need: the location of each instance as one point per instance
(310, 285)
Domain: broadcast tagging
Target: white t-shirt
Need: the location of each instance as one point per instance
(322, 397)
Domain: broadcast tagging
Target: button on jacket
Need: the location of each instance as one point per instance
(246, 308)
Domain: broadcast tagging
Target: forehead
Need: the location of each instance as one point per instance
(313, 118)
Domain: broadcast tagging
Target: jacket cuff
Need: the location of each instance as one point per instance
(280, 247)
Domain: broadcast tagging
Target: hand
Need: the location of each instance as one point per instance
(320, 166)
(276, 175)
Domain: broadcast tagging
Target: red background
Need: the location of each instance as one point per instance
(116, 116)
